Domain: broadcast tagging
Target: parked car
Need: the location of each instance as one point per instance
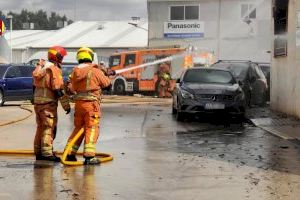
(207, 90)
(266, 69)
(67, 70)
(251, 79)
(15, 82)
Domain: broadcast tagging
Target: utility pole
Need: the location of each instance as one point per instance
(219, 30)
(75, 10)
(10, 17)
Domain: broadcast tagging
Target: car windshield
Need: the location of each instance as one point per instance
(239, 70)
(2, 70)
(208, 76)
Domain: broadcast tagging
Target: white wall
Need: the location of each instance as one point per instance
(285, 81)
(4, 51)
(233, 39)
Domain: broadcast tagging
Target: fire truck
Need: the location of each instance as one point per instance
(139, 80)
(144, 79)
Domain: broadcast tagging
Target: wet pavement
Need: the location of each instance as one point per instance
(156, 157)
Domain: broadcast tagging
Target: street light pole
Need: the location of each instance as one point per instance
(10, 17)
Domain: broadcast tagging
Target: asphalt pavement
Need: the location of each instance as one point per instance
(156, 157)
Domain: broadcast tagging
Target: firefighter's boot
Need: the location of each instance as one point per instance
(52, 158)
(91, 161)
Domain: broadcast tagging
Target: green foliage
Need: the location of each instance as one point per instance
(40, 19)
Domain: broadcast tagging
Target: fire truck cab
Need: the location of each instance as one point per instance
(139, 80)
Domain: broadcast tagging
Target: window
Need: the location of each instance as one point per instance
(177, 12)
(208, 76)
(129, 59)
(280, 14)
(13, 72)
(26, 71)
(189, 12)
(248, 11)
(114, 61)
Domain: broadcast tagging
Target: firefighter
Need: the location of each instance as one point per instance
(87, 81)
(48, 89)
(164, 81)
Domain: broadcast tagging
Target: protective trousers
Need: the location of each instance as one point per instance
(46, 119)
(87, 116)
(163, 89)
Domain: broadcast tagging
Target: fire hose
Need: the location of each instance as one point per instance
(103, 157)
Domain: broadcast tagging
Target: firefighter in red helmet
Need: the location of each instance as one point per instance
(48, 84)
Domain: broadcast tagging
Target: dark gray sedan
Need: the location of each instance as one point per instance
(207, 90)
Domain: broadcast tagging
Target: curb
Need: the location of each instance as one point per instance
(276, 133)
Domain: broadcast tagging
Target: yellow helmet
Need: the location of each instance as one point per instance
(85, 54)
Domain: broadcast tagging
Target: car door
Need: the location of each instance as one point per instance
(27, 81)
(13, 85)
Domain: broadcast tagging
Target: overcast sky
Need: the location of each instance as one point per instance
(85, 9)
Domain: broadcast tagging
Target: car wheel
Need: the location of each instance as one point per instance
(1, 98)
(119, 87)
(180, 116)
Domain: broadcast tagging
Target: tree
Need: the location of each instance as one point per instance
(39, 18)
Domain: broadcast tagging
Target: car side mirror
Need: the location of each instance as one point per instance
(178, 80)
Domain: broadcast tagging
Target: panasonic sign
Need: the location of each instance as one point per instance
(187, 29)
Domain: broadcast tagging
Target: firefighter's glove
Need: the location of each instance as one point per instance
(108, 88)
(68, 111)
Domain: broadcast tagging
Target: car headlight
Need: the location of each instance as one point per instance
(186, 95)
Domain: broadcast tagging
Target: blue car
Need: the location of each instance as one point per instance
(15, 82)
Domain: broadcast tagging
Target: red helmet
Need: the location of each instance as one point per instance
(56, 54)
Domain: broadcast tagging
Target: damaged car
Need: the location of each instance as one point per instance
(207, 90)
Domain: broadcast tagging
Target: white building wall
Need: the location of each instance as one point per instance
(285, 81)
(4, 51)
(226, 34)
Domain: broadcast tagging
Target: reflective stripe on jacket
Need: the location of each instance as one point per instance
(47, 78)
(87, 80)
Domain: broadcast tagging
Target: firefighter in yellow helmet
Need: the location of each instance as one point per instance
(164, 81)
(87, 83)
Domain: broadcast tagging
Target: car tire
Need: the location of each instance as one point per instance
(1, 98)
(119, 87)
(180, 116)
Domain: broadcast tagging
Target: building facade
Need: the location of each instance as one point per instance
(104, 37)
(285, 73)
(231, 29)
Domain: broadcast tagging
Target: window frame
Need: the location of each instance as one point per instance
(125, 59)
(112, 57)
(13, 68)
(184, 5)
(248, 6)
